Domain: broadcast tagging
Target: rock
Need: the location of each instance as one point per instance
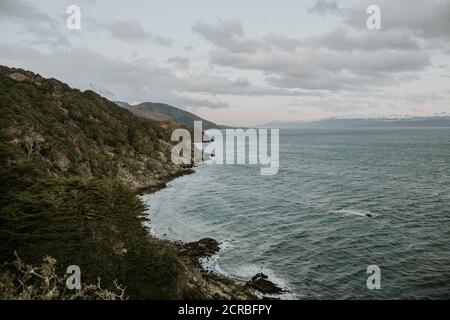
(18, 76)
(205, 247)
(260, 283)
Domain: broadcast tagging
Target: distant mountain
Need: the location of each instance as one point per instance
(400, 122)
(165, 112)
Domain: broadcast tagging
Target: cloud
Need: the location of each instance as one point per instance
(138, 80)
(205, 83)
(277, 41)
(353, 103)
(325, 7)
(427, 19)
(343, 39)
(130, 81)
(346, 60)
(181, 63)
(421, 98)
(335, 61)
(43, 29)
(200, 103)
(15, 9)
(228, 34)
(133, 32)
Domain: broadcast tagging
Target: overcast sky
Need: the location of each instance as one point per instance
(242, 62)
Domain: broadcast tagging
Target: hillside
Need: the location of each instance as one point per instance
(71, 165)
(79, 133)
(165, 112)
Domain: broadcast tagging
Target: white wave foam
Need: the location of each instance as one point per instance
(248, 271)
(226, 245)
(245, 273)
(211, 264)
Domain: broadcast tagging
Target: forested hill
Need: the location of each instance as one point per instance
(78, 133)
(70, 165)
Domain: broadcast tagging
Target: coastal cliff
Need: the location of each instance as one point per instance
(72, 165)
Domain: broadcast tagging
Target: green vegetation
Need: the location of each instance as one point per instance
(29, 282)
(71, 163)
(79, 133)
(93, 223)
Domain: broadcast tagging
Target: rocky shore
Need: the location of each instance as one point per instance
(211, 284)
(218, 286)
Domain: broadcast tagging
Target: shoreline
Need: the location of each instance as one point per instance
(195, 254)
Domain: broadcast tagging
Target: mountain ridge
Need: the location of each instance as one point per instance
(165, 112)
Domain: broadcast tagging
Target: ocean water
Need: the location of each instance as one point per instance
(306, 227)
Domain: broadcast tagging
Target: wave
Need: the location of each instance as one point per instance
(211, 264)
(360, 213)
(246, 272)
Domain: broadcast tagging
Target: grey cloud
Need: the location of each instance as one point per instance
(139, 80)
(387, 61)
(273, 40)
(423, 98)
(337, 104)
(325, 7)
(224, 29)
(134, 81)
(15, 9)
(43, 29)
(132, 31)
(228, 34)
(428, 19)
(343, 40)
(340, 103)
(405, 24)
(129, 81)
(341, 60)
(181, 63)
(329, 81)
(304, 63)
(198, 102)
(219, 85)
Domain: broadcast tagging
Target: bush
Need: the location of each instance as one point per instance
(20, 281)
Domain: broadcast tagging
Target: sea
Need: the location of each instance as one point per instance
(343, 200)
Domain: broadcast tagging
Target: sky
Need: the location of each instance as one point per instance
(242, 62)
